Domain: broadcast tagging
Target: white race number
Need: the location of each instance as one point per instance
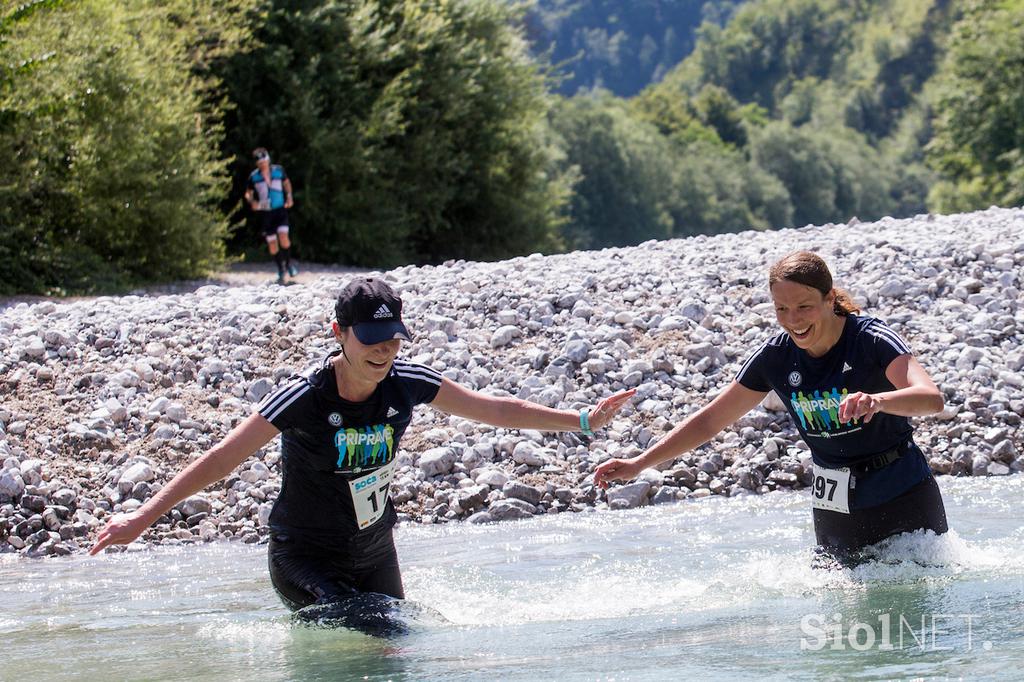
(370, 494)
(831, 489)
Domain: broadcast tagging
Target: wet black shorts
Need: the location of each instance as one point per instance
(306, 573)
(920, 508)
(273, 219)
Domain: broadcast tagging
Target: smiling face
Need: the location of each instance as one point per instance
(807, 316)
(364, 365)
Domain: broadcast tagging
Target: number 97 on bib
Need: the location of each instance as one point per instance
(831, 489)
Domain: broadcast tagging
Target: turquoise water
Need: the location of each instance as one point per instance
(719, 588)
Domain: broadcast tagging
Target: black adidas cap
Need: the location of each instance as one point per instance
(372, 309)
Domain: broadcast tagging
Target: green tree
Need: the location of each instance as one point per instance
(978, 144)
(112, 175)
(635, 184)
(769, 45)
(625, 174)
(618, 45)
(831, 174)
(717, 109)
(675, 116)
(860, 64)
(412, 130)
(719, 190)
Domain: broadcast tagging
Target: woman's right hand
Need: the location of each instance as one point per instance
(617, 470)
(120, 530)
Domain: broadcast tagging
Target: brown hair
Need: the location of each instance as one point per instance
(804, 267)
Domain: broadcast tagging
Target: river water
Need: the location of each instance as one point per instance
(717, 588)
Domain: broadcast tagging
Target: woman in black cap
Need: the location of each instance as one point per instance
(340, 426)
(850, 383)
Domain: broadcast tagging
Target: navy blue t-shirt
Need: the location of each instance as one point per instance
(812, 389)
(327, 441)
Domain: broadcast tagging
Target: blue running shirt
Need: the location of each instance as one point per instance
(270, 195)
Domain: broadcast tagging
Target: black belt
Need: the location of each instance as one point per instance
(879, 461)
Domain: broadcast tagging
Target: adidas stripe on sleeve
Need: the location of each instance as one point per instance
(752, 374)
(888, 344)
(274, 407)
(422, 381)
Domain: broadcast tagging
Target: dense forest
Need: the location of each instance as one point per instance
(617, 45)
(421, 131)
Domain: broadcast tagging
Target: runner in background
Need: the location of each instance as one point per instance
(269, 194)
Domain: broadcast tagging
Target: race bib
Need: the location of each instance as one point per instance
(370, 494)
(831, 489)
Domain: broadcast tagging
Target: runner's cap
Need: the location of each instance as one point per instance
(372, 309)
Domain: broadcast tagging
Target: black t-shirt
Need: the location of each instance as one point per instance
(812, 389)
(328, 442)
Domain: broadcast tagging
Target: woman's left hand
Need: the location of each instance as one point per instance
(608, 408)
(857, 405)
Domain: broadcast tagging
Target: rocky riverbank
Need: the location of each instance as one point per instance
(103, 400)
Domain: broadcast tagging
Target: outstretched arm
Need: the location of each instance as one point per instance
(731, 404)
(217, 463)
(915, 395)
(514, 413)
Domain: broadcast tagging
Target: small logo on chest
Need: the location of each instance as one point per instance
(846, 368)
(392, 412)
(334, 419)
(795, 378)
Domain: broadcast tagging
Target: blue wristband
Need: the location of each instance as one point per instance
(585, 423)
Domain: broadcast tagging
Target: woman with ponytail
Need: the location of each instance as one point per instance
(850, 384)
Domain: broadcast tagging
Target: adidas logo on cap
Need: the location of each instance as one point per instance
(383, 312)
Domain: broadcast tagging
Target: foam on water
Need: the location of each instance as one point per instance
(708, 566)
(623, 589)
(251, 634)
(913, 555)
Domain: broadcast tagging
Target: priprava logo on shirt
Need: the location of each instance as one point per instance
(820, 410)
(368, 446)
